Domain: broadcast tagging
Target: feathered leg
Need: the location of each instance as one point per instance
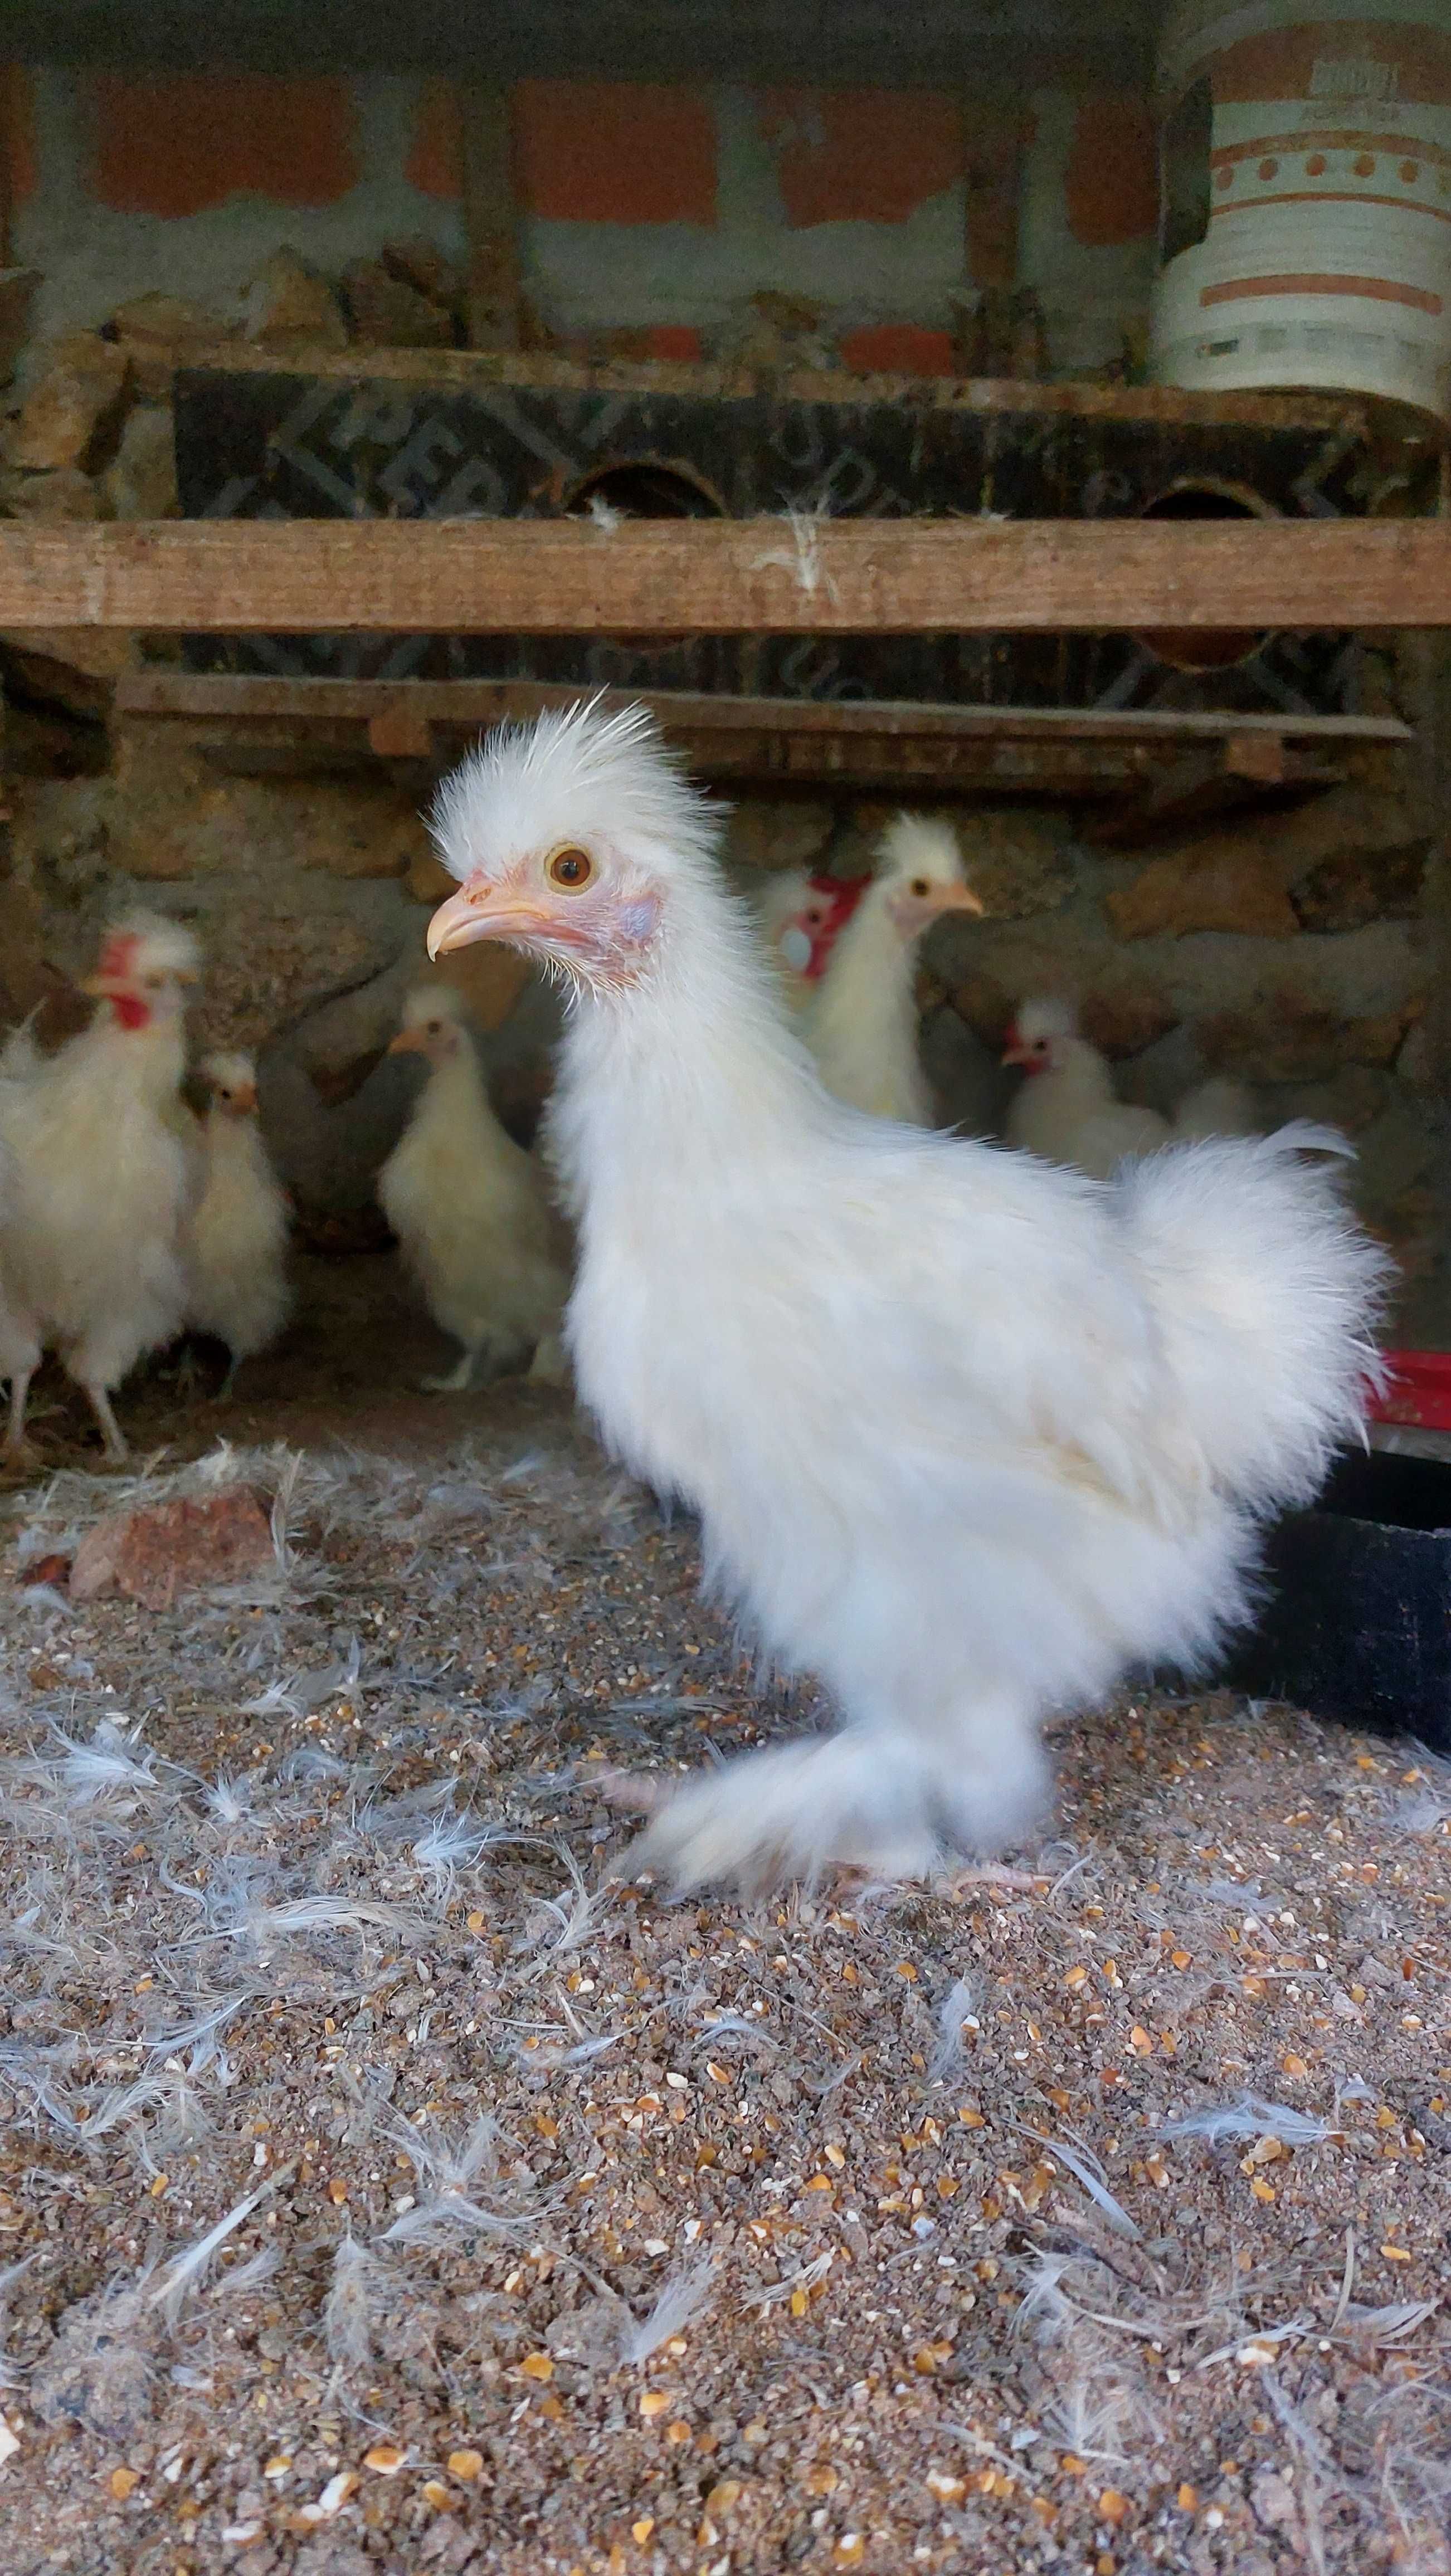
(893, 1802)
(16, 1446)
(100, 1404)
(457, 1381)
(550, 1364)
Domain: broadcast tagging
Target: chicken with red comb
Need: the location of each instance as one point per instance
(969, 1435)
(103, 1165)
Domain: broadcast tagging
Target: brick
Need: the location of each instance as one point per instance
(865, 156)
(435, 157)
(17, 133)
(177, 145)
(1172, 897)
(678, 340)
(898, 349)
(73, 405)
(1110, 179)
(615, 152)
(156, 1553)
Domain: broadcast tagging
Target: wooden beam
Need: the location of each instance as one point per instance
(486, 155)
(239, 697)
(723, 577)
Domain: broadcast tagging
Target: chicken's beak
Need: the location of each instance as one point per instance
(952, 898)
(244, 1099)
(482, 910)
(407, 1042)
(101, 987)
(1017, 1054)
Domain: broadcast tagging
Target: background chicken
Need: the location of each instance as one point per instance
(470, 1210)
(861, 1025)
(236, 1243)
(802, 917)
(969, 1435)
(1067, 1111)
(102, 1171)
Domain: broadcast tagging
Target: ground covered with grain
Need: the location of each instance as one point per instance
(391, 2183)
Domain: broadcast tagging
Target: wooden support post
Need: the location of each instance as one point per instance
(992, 165)
(486, 152)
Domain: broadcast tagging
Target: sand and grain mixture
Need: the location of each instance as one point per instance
(390, 2183)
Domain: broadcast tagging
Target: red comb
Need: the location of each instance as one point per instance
(840, 897)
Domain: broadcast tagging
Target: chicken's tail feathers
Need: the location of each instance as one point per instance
(1270, 1294)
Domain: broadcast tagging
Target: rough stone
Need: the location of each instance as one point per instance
(1019, 862)
(1174, 896)
(162, 321)
(784, 833)
(1123, 1019)
(420, 263)
(490, 979)
(985, 1005)
(75, 402)
(164, 1549)
(1357, 885)
(387, 313)
(63, 494)
(428, 880)
(266, 967)
(288, 305)
(1286, 1038)
(140, 481)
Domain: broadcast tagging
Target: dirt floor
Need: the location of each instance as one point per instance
(389, 2183)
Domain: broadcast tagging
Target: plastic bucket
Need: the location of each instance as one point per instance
(1305, 199)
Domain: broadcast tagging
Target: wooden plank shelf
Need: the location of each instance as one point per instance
(270, 724)
(710, 577)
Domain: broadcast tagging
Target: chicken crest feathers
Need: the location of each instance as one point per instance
(567, 776)
(920, 845)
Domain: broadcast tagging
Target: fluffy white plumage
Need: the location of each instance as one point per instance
(470, 1210)
(236, 1242)
(102, 1168)
(861, 1024)
(1066, 1109)
(969, 1434)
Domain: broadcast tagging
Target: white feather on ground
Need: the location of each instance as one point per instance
(969, 1435)
(236, 1242)
(469, 1208)
(861, 1023)
(103, 1164)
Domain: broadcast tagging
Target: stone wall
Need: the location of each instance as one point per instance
(1298, 951)
(651, 215)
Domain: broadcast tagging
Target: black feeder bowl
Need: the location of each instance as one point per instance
(1358, 1623)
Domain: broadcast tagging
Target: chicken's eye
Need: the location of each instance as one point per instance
(570, 869)
(433, 1028)
(920, 888)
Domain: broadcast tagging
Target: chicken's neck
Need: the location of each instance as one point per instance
(693, 1072)
(146, 1062)
(866, 1001)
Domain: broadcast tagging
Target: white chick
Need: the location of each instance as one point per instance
(470, 1210)
(236, 1243)
(969, 1436)
(102, 1170)
(861, 1025)
(1065, 1109)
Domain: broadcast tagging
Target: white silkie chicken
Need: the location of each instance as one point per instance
(861, 1025)
(1067, 1111)
(236, 1243)
(968, 1435)
(470, 1210)
(103, 1169)
(802, 917)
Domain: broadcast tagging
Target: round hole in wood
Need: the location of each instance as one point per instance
(1205, 496)
(644, 487)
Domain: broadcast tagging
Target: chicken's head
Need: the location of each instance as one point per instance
(575, 838)
(231, 1083)
(921, 875)
(144, 971)
(1042, 1036)
(434, 1024)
